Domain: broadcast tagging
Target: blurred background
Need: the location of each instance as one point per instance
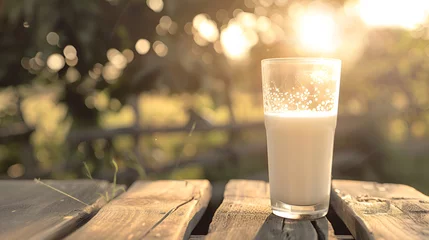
(171, 89)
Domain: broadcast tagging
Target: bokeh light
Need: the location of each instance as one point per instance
(111, 73)
(142, 46)
(114, 104)
(72, 75)
(128, 54)
(160, 31)
(280, 3)
(160, 48)
(222, 14)
(33, 64)
(55, 62)
(155, 5)
(173, 28)
(38, 59)
(25, 63)
(206, 28)
(247, 19)
(266, 3)
(399, 13)
(218, 47)
(165, 22)
(98, 67)
(260, 11)
(52, 38)
(72, 62)
(188, 28)
(418, 128)
(70, 52)
(263, 24)
(236, 12)
(383, 45)
(117, 58)
(16, 170)
(235, 42)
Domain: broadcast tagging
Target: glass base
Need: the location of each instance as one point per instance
(299, 212)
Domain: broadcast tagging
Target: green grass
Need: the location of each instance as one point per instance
(107, 196)
(38, 181)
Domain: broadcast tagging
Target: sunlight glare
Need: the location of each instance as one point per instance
(234, 41)
(316, 32)
(399, 13)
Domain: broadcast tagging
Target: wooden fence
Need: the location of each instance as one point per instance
(20, 133)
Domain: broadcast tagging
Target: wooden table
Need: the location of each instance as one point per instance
(171, 210)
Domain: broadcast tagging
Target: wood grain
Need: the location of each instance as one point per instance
(381, 211)
(150, 210)
(245, 213)
(32, 211)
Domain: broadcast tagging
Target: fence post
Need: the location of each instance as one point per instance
(134, 102)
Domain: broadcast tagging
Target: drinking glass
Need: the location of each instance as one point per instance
(300, 110)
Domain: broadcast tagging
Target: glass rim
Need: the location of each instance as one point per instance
(303, 60)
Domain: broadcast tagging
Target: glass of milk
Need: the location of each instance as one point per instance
(300, 109)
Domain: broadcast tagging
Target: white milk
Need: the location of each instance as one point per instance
(300, 147)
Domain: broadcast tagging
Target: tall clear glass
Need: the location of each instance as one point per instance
(300, 109)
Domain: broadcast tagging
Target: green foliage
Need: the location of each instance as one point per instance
(386, 85)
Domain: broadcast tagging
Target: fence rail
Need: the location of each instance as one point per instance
(346, 125)
(84, 135)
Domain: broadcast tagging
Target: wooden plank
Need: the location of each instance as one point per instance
(381, 211)
(324, 229)
(32, 211)
(245, 213)
(150, 210)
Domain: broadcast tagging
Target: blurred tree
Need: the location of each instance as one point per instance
(67, 64)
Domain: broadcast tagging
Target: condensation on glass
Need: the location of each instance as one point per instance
(300, 84)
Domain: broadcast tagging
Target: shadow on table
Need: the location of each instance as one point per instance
(275, 227)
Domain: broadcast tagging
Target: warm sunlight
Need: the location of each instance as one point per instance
(316, 32)
(208, 30)
(234, 41)
(398, 13)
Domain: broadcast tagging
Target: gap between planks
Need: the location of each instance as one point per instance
(245, 213)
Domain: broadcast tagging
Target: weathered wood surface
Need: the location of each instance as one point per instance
(245, 213)
(324, 229)
(381, 211)
(29, 210)
(150, 210)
